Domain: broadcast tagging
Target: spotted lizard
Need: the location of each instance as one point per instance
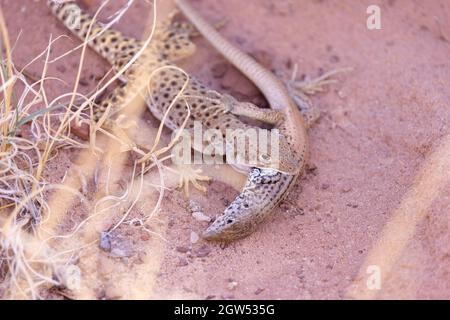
(269, 180)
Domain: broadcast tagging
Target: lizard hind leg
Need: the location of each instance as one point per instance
(301, 90)
(172, 39)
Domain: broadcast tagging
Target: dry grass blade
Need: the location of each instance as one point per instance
(30, 261)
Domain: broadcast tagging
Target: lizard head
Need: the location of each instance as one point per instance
(262, 192)
(227, 228)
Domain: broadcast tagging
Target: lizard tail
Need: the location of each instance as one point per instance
(264, 190)
(273, 89)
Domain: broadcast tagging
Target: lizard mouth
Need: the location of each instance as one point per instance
(263, 191)
(210, 235)
(221, 230)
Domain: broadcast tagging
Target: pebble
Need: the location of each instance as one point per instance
(194, 237)
(197, 212)
(194, 206)
(200, 216)
(232, 285)
(346, 189)
(325, 186)
(311, 167)
(119, 253)
(334, 59)
(105, 242)
(202, 252)
(182, 249)
(83, 82)
(259, 290)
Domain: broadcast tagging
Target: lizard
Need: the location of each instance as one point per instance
(270, 180)
(265, 188)
(170, 43)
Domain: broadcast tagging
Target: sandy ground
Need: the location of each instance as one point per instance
(376, 199)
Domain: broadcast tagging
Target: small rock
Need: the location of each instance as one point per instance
(105, 242)
(325, 186)
(311, 168)
(346, 190)
(232, 285)
(194, 237)
(182, 249)
(289, 64)
(200, 216)
(341, 94)
(119, 253)
(194, 206)
(83, 82)
(227, 296)
(182, 262)
(202, 252)
(210, 297)
(259, 290)
(71, 277)
(334, 59)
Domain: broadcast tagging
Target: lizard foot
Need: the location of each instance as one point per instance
(190, 175)
(174, 37)
(301, 90)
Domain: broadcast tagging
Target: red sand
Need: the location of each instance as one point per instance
(379, 126)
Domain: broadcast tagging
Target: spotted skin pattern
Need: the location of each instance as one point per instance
(256, 201)
(265, 187)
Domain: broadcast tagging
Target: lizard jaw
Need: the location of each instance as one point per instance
(264, 189)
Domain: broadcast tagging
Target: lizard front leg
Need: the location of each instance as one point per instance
(189, 175)
(249, 110)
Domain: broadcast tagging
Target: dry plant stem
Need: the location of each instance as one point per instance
(161, 126)
(22, 189)
(64, 121)
(7, 91)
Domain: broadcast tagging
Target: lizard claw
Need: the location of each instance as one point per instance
(306, 88)
(189, 175)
